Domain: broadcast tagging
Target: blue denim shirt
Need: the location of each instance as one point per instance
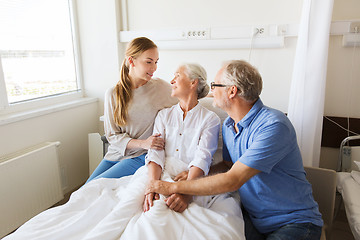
(280, 193)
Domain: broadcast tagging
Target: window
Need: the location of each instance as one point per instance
(36, 50)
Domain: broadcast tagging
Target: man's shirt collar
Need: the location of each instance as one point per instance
(247, 119)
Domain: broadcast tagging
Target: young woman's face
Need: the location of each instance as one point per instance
(181, 84)
(144, 66)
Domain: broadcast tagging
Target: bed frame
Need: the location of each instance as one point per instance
(342, 148)
(346, 190)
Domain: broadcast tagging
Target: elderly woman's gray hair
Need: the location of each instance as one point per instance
(195, 71)
(245, 77)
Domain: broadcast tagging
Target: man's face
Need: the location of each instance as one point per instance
(220, 94)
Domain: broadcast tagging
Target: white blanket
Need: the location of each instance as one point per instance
(112, 209)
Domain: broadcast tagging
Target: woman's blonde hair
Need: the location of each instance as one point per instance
(123, 89)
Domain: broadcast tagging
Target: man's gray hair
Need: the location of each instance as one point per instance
(245, 77)
(195, 71)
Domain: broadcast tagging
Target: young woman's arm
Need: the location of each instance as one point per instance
(154, 142)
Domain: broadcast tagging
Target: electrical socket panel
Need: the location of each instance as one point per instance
(354, 27)
(261, 31)
(197, 33)
(281, 30)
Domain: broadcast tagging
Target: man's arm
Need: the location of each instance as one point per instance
(216, 184)
(220, 167)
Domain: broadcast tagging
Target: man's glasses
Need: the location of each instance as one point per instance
(213, 85)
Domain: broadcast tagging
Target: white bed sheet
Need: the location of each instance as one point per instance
(350, 191)
(112, 209)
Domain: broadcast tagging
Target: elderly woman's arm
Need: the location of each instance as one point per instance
(201, 163)
(154, 173)
(154, 161)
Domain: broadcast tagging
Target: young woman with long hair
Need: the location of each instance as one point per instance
(130, 109)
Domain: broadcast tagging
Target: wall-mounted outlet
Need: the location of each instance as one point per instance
(281, 30)
(197, 33)
(261, 31)
(354, 27)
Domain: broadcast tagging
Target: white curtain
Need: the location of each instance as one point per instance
(307, 93)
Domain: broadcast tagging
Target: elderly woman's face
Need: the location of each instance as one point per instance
(181, 84)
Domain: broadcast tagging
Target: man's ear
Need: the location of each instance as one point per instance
(232, 91)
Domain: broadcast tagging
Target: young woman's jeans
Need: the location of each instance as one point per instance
(294, 231)
(117, 169)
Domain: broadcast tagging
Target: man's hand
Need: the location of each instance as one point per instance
(148, 202)
(178, 202)
(161, 187)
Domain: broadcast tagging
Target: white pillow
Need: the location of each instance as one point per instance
(208, 103)
(356, 176)
(357, 163)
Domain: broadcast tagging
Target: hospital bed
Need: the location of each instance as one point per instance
(96, 211)
(91, 205)
(348, 185)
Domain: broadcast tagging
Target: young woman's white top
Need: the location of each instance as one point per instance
(192, 140)
(146, 102)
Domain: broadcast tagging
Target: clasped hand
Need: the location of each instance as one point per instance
(177, 202)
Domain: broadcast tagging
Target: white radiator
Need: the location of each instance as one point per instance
(29, 183)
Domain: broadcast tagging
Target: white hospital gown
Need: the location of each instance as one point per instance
(193, 139)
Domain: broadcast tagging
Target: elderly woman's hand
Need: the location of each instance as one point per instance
(181, 176)
(178, 202)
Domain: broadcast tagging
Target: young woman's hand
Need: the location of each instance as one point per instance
(154, 142)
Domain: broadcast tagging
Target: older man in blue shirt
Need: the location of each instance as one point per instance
(267, 167)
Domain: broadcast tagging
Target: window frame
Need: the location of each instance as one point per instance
(46, 101)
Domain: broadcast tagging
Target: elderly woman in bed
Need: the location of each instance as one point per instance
(190, 132)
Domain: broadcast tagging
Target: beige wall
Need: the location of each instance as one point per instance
(342, 84)
(100, 25)
(70, 127)
(275, 65)
(98, 22)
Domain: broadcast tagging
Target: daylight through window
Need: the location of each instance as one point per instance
(36, 49)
